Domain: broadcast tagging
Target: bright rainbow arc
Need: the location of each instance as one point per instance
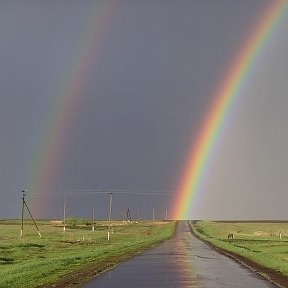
(225, 97)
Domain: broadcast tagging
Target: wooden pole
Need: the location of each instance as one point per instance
(109, 217)
(138, 212)
(64, 215)
(32, 219)
(22, 213)
(93, 227)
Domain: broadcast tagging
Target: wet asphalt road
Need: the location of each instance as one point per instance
(183, 261)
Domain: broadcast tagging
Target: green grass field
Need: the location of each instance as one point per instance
(33, 261)
(259, 242)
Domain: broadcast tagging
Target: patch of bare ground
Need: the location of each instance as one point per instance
(269, 274)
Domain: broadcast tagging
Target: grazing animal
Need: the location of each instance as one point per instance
(230, 236)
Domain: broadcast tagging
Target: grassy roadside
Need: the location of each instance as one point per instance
(34, 261)
(258, 242)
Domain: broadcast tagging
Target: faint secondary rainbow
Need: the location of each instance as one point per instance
(225, 96)
(67, 99)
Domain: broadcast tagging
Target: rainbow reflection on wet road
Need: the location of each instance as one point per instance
(183, 261)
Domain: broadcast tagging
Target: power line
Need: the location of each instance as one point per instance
(92, 192)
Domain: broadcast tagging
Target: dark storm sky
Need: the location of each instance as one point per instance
(145, 96)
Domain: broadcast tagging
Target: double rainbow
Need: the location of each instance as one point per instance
(227, 92)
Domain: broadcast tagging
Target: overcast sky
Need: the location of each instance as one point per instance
(149, 85)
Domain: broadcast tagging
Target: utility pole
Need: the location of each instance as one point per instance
(153, 214)
(22, 213)
(22, 220)
(138, 212)
(64, 215)
(93, 226)
(166, 215)
(128, 216)
(109, 217)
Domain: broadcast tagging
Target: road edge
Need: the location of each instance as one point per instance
(270, 275)
(83, 275)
